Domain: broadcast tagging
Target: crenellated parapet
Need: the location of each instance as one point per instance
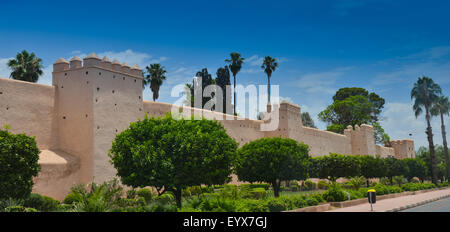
(93, 60)
(403, 148)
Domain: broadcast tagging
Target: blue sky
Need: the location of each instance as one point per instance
(383, 46)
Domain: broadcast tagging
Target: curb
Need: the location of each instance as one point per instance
(397, 209)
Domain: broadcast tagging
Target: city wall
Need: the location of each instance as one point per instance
(91, 100)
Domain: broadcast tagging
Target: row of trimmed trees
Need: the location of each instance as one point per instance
(336, 166)
(171, 155)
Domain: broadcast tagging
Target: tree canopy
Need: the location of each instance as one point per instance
(272, 160)
(171, 155)
(26, 67)
(19, 157)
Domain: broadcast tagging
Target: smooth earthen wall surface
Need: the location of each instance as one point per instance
(28, 107)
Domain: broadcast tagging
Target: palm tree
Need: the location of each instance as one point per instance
(426, 92)
(441, 108)
(25, 67)
(269, 65)
(235, 66)
(155, 77)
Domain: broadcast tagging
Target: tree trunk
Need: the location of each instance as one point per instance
(444, 142)
(367, 182)
(268, 89)
(429, 133)
(178, 197)
(276, 188)
(234, 95)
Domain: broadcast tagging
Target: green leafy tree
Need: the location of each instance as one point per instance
(417, 167)
(425, 93)
(307, 120)
(269, 66)
(377, 101)
(440, 108)
(223, 80)
(172, 155)
(355, 106)
(371, 167)
(202, 80)
(235, 65)
(156, 77)
(272, 160)
(335, 166)
(395, 167)
(354, 110)
(26, 67)
(19, 157)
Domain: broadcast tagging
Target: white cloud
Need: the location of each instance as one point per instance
(399, 121)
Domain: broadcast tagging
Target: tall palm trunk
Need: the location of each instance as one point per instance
(431, 145)
(234, 94)
(444, 142)
(268, 89)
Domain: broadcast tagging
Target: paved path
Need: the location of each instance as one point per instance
(442, 205)
(398, 203)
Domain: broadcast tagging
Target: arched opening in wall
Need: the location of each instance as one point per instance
(64, 117)
(96, 100)
(139, 97)
(2, 93)
(123, 78)
(99, 73)
(7, 108)
(87, 73)
(114, 76)
(98, 127)
(87, 82)
(113, 91)
(86, 115)
(62, 86)
(65, 74)
(98, 89)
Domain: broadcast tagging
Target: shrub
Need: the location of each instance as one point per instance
(309, 185)
(311, 201)
(160, 207)
(277, 205)
(258, 193)
(318, 197)
(131, 194)
(252, 205)
(10, 202)
(323, 184)
(357, 182)
(48, 204)
(165, 198)
(41, 203)
(72, 198)
(147, 194)
(19, 157)
(262, 185)
(64, 208)
(34, 201)
(98, 197)
(335, 193)
(444, 184)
